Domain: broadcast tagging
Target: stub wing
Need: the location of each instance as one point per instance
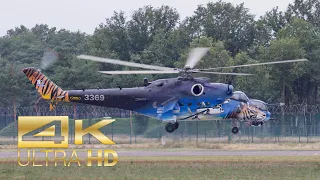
(168, 105)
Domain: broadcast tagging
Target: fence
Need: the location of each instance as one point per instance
(296, 123)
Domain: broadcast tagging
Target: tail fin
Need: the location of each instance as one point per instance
(45, 87)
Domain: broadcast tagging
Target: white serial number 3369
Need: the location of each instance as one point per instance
(91, 97)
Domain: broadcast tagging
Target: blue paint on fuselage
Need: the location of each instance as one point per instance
(193, 106)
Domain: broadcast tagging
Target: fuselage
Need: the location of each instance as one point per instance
(164, 99)
(176, 103)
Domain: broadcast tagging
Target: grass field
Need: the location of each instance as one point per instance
(226, 167)
(147, 144)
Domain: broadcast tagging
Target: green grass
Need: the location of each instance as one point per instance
(226, 167)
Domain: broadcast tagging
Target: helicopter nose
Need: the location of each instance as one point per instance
(229, 89)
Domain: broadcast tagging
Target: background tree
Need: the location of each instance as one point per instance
(233, 25)
(155, 35)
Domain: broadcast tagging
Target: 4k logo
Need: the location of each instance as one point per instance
(48, 126)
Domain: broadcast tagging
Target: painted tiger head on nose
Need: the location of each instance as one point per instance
(250, 113)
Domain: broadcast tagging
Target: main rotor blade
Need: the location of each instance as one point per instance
(195, 56)
(124, 63)
(139, 72)
(257, 64)
(222, 73)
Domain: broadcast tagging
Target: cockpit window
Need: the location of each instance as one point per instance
(240, 96)
(259, 104)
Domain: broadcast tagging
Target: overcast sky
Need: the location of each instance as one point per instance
(85, 15)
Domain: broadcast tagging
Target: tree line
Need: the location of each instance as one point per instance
(157, 35)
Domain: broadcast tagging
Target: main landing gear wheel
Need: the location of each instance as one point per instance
(235, 130)
(170, 127)
(176, 124)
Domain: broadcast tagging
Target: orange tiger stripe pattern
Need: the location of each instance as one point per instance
(251, 112)
(247, 113)
(45, 87)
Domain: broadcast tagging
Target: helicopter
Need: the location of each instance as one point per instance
(170, 100)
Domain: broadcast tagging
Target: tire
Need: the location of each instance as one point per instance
(170, 127)
(235, 130)
(176, 124)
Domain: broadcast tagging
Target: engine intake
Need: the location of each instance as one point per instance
(197, 89)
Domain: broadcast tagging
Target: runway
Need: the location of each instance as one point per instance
(175, 152)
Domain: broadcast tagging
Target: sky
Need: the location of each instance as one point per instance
(85, 15)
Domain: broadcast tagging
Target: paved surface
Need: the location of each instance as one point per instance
(163, 153)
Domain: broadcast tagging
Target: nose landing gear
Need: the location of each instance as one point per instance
(170, 127)
(235, 125)
(235, 130)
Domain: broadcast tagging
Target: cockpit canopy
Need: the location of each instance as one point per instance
(240, 96)
(258, 104)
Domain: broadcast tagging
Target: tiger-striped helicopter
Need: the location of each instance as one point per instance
(169, 100)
